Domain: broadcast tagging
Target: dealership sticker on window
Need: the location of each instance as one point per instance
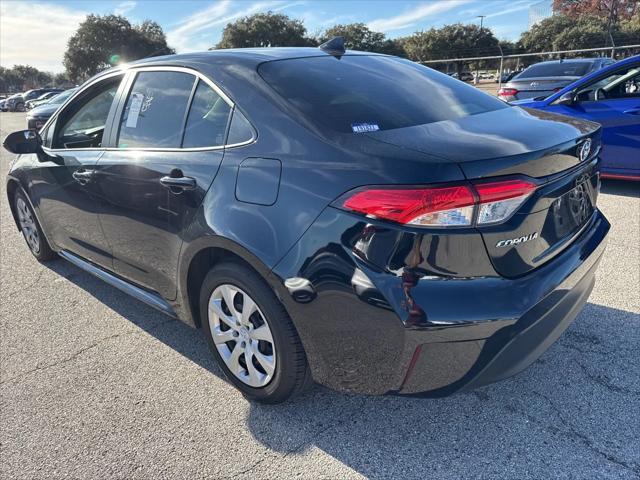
(364, 127)
(134, 110)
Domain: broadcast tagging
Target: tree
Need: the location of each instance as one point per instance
(357, 36)
(451, 41)
(613, 9)
(264, 30)
(541, 36)
(102, 41)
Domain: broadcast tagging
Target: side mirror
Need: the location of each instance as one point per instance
(568, 98)
(23, 141)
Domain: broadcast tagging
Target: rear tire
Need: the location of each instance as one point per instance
(31, 229)
(254, 341)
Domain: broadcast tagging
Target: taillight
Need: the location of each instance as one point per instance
(507, 92)
(499, 200)
(450, 206)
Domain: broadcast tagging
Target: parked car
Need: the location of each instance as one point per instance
(42, 99)
(545, 78)
(610, 97)
(10, 103)
(320, 217)
(466, 76)
(39, 115)
(17, 103)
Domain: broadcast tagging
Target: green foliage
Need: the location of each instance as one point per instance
(451, 41)
(24, 77)
(264, 30)
(357, 36)
(100, 39)
(562, 32)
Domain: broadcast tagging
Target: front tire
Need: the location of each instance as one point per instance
(31, 229)
(251, 335)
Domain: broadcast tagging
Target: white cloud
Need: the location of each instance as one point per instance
(36, 34)
(410, 18)
(124, 7)
(188, 35)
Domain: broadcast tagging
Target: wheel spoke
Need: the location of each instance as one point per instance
(262, 333)
(265, 361)
(248, 308)
(215, 305)
(228, 293)
(255, 376)
(220, 336)
(233, 360)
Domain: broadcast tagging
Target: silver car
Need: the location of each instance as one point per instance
(544, 78)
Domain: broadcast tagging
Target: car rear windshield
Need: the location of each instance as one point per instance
(355, 94)
(564, 69)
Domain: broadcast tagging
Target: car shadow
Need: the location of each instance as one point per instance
(621, 187)
(544, 420)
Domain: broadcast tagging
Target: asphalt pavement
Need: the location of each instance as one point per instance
(95, 385)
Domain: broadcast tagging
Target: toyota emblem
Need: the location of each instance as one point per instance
(584, 150)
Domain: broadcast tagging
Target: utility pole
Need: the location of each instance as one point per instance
(475, 80)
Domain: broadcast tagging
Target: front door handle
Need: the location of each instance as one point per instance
(182, 183)
(633, 111)
(83, 176)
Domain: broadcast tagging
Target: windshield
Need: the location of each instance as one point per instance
(561, 69)
(361, 93)
(62, 97)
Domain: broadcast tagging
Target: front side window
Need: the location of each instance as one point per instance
(623, 83)
(155, 110)
(362, 93)
(208, 118)
(83, 122)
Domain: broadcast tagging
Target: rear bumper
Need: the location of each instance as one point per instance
(373, 331)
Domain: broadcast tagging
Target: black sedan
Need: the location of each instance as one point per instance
(348, 218)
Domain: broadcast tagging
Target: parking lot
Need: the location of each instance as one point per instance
(96, 385)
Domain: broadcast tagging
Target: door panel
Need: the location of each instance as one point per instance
(68, 206)
(143, 219)
(620, 128)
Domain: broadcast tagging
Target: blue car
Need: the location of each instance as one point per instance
(611, 97)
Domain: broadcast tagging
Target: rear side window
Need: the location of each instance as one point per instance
(560, 69)
(155, 110)
(208, 118)
(355, 94)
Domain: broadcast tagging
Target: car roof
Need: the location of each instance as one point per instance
(248, 57)
(570, 60)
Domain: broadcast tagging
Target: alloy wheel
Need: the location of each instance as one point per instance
(242, 335)
(28, 225)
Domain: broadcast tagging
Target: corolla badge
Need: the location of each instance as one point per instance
(516, 241)
(584, 150)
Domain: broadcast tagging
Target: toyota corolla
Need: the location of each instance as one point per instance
(353, 219)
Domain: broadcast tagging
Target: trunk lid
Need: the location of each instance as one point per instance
(534, 145)
(539, 84)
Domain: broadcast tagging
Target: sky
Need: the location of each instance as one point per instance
(36, 32)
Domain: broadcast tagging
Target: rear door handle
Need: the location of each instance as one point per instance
(83, 176)
(183, 183)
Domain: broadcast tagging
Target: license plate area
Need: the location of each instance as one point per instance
(570, 211)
